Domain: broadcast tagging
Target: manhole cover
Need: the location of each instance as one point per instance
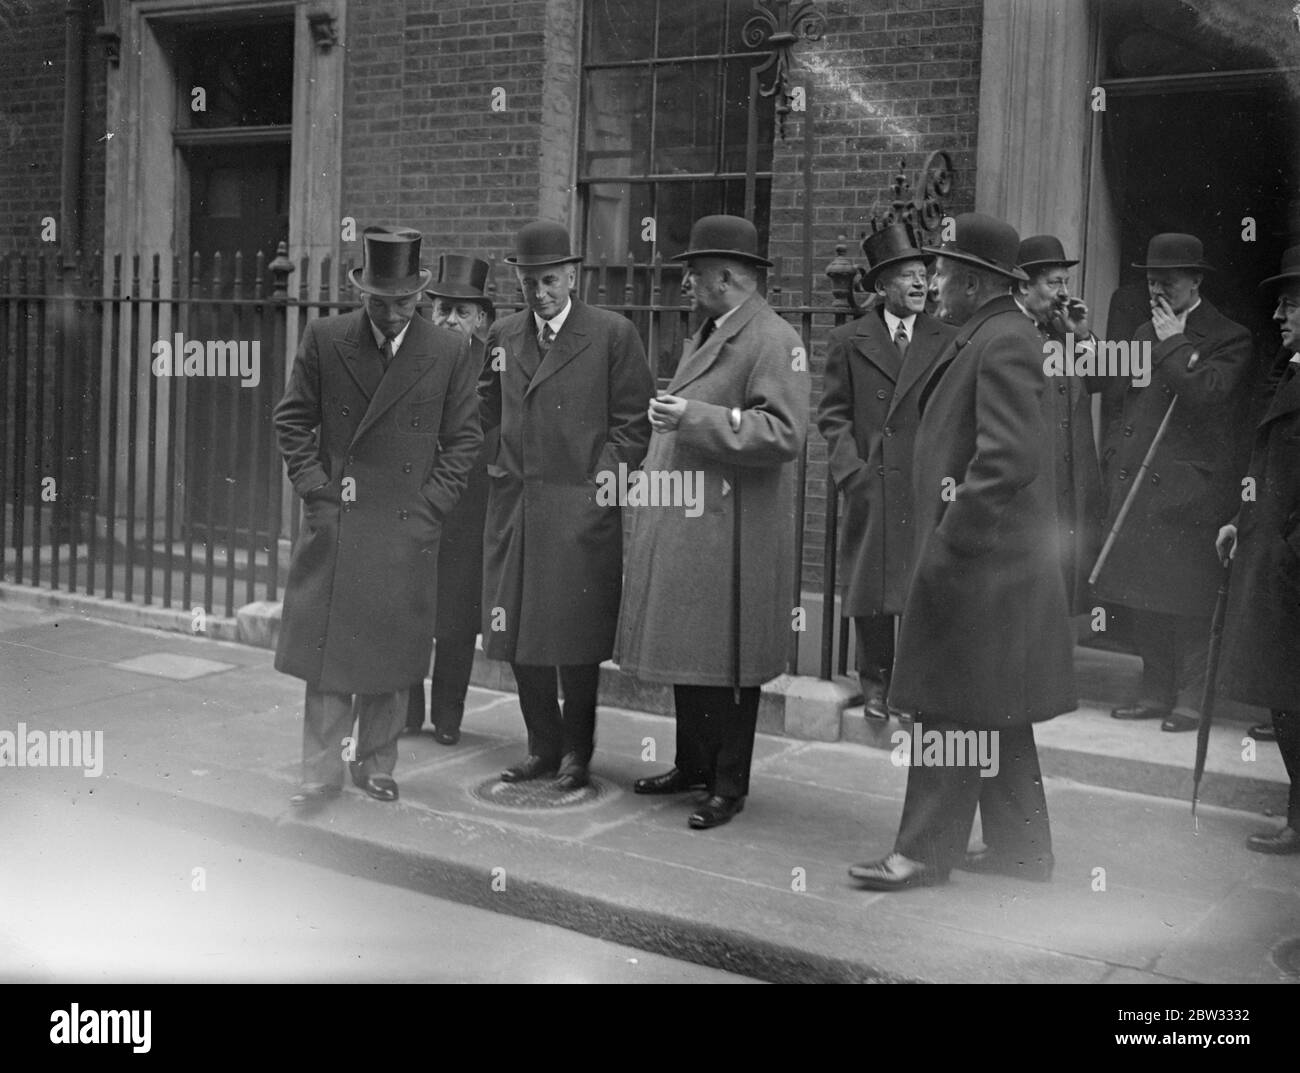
(1286, 956)
(538, 794)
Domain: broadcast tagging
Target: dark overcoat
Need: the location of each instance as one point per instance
(985, 637)
(1164, 558)
(553, 555)
(460, 551)
(1261, 641)
(396, 448)
(868, 416)
(1080, 502)
(677, 623)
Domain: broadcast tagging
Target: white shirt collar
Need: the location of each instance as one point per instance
(718, 321)
(557, 321)
(892, 322)
(379, 336)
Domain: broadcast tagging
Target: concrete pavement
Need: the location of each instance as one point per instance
(205, 735)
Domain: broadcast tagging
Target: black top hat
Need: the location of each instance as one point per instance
(392, 264)
(984, 241)
(888, 246)
(1039, 251)
(724, 236)
(1175, 250)
(462, 277)
(1290, 267)
(542, 242)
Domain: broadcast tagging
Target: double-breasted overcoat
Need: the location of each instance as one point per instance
(985, 638)
(553, 553)
(678, 622)
(868, 415)
(1261, 641)
(394, 449)
(1164, 558)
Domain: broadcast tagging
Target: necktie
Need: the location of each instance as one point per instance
(387, 352)
(900, 340)
(707, 331)
(545, 338)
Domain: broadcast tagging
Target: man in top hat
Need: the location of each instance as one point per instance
(1045, 298)
(1162, 565)
(876, 367)
(460, 304)
(379, 429)
(568, 385)
(708, 596)
(984, 647)
(1261, 639)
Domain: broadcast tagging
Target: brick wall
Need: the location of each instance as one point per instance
(32, 78)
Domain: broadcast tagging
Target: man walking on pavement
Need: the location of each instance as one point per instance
(876, 367)
(707, 600)
(568, 385)
(984, 645)
(1261, 640)
(460, 304)
(1163, 566)
(378, 428)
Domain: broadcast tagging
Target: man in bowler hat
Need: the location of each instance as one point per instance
(379, 430)
(1261, 641)
(876, 367)
(1061, 319)
(707, 599)
(984, 645)
(1162, 565)
(568, 385)
(461, 304)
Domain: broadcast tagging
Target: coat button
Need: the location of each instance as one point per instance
(345, 411)
(406, 467)
(882, 394)
(1155, 478)
(889, 430)
(403, 514)
(1060, 389)
(351, 460)
(880, 471)
(1128, 430)
(347, 508)
(415, 422)
(1123, 475)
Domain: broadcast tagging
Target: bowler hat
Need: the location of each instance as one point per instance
(392, 263)
(1175, 250)
(462, 277)
(1039, 251)
(984, 241)
(888, 246)
(724, 236)
(542, 242)
(1290, 267)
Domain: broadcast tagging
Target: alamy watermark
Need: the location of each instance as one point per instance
(946, 748)
(218, 357)
(53, 748)
(651, 488)
(1105, 357)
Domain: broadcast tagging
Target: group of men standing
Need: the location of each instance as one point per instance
(973, 497)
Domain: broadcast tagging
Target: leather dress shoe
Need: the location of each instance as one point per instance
(1178, 722)
(1139, 711)
(673, 781)
(1262, 732)
(572, 779)
(1286, 840)
(380, 787)
(896, 872)
(446, 737)
(874, 705)
(314, 793)
(716, 811)
(534, 767)
(989, 862)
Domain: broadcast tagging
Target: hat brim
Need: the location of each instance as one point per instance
(732, 255)
(979, 262)
(1026, 265)
(1281, 277)
(461, 292)
(426, 277)
(869, 278)
(532, 262)
(1201, 266)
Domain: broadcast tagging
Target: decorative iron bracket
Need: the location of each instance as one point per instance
(773, 24)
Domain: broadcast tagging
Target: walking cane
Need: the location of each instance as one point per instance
(1211, 673)
(735, 591)
(1127, 505)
